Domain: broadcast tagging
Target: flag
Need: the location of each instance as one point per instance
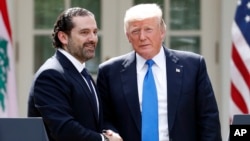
(8, 97)
(240, 60)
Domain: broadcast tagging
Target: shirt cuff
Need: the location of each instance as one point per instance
(103, 139)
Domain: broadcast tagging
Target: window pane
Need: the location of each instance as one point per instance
(46, 12)
(160, 2)
(92, 64)
(185, 43)
(184, 14)
(92, 5)
(43, 50)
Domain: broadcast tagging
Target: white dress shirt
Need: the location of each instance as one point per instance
(160, 77)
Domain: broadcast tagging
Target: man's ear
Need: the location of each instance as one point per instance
(127, 34)
(163, 33)
(63, 37)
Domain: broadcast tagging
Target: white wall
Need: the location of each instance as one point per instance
(24, 62)
(227, 15)
(114, 42)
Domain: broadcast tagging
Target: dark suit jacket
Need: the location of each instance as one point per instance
(192, 109)
(61, 97)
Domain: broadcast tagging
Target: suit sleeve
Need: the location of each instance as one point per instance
(208, 114)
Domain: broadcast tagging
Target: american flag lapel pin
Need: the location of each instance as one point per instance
(177, 70)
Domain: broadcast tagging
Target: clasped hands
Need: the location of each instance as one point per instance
(111, 135)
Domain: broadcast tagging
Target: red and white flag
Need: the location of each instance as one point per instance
(240, 60)
(8, 96)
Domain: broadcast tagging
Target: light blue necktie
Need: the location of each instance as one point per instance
(149, 106)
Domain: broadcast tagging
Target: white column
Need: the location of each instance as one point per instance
(227, 15)
(24, 41)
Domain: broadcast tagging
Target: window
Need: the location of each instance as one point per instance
(45, 13)
(184, 25)
(183, 22)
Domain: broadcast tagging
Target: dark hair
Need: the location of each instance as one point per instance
(64, 23)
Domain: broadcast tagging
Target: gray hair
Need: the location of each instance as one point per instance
(142, 11)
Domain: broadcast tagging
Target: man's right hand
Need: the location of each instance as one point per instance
(112, 136)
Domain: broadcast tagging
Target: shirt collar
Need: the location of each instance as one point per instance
(159, 59)
(78, 65)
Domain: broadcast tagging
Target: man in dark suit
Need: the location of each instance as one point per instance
(63, 93)
(187, 108)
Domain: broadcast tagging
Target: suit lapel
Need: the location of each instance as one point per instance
(130, 89)
(72, 71)
(174, 82)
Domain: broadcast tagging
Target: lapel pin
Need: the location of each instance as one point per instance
(178, 70)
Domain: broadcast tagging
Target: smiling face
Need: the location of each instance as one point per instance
(82, 41)
(146, 36)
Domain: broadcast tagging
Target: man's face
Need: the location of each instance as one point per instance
(83, 38)
(146, 36)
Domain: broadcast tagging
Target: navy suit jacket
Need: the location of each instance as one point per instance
(192, 109)
(61, 97)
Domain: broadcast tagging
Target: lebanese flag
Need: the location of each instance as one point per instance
(8, 95)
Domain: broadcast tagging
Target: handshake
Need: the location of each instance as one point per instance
(110, 135)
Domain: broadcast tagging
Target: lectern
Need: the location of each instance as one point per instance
(240, 128)
(241, 119)
(22, 129)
